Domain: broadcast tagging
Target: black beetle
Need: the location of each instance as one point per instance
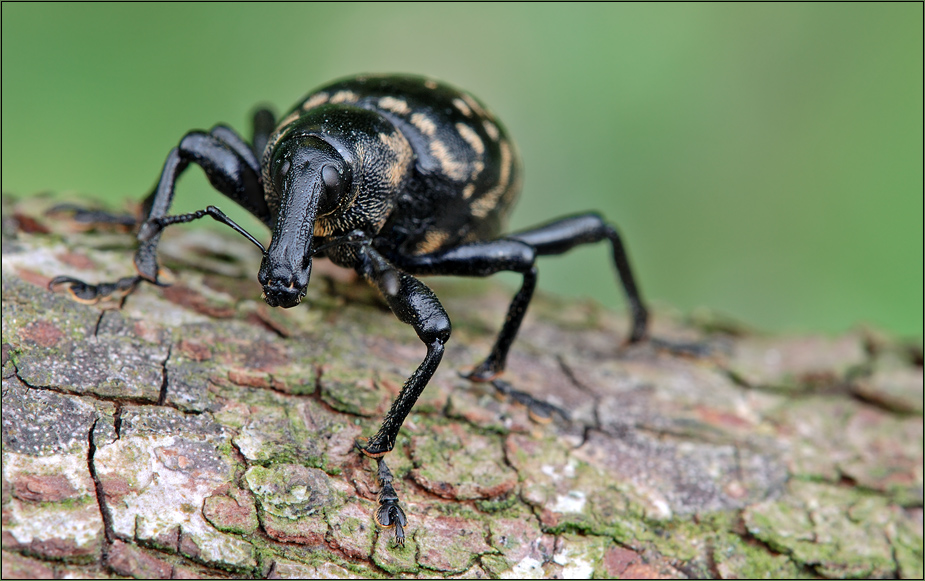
(393, 176)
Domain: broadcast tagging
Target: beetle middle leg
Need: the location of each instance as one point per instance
(517, 252)
(232, 169)
(263, 125)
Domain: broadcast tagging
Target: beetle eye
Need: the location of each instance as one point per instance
(334, 188)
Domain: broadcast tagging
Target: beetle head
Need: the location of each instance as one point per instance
(312, 179)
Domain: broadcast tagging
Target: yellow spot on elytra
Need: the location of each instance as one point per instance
(451, 167)
(468, 191)
(433, 240)
(430, 84)
(477, 168)
(474, 105)
(491, 129)
(424, 124)
(471, 137)
(344, 97)
(314, 101)
(395, 105)
(463, 108)
(488, 202)
(401, 156)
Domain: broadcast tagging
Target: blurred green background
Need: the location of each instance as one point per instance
(763, 160)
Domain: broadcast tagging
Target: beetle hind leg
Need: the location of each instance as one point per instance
(562, 235)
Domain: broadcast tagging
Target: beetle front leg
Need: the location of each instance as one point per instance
(413, 303)
(389, 515)
(231, 168)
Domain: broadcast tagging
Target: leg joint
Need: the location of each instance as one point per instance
(195, 141)
(435, 328)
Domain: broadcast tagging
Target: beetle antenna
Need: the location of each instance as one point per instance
(153, 226)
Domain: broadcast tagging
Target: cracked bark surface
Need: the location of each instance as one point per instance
(197, 432)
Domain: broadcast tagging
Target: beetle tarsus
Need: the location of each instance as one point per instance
(691, 349)
(86, 219)
(484, 372)
(389, 514)
(540, 411)
(91, 294)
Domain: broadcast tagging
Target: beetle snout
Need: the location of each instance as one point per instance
(278, 294)
(283, 287)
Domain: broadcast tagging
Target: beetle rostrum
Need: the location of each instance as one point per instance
(393, 177)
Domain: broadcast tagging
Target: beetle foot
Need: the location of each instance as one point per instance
(540, 412)
(86, 219)
(390, 515)
(483, 373)
(90, 294)
(688, 349)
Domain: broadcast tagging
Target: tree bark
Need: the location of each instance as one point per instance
(196, 432)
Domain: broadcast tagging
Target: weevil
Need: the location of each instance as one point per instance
(394, 177)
